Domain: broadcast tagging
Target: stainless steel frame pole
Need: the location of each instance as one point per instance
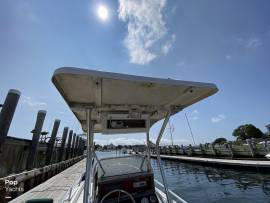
(148, 143)
(158, 155)
(90, 138)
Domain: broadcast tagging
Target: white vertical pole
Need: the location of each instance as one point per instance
(148, 142)
(158, 155)
(90, 137)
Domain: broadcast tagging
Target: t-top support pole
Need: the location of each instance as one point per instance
(158, 155)
(90, 137)
(148, 142)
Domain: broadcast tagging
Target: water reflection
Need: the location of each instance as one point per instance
(203, 184)
(198, 183)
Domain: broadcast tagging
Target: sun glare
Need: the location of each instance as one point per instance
(102, 12)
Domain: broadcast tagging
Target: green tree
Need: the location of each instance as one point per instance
(247, 131)
(220, 140)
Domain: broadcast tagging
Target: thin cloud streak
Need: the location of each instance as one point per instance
(254, 42)
(31, 102)
(218, 118)
(168, 45)
(251, 42)
(194, 115)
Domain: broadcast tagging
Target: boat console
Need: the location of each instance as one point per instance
(130, 174)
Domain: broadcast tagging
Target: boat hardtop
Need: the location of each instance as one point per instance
(121, 93)
(113, 103)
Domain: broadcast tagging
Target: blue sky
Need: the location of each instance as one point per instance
(223, 42)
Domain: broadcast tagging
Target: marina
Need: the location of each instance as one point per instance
(134, 101)
(184, 178)
(67, 176)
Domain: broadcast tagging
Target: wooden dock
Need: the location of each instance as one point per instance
(55, 187)
(228, 162)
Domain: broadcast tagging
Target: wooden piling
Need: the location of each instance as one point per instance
(202, 150)
(73, 145)
(63, 143)
(251, 149)
(229, 146)
(7, 113)
(69, 144)
(190, 150)
(35, 139)
(52, 142)
(76, 146)
(213, 149)
(80, 146)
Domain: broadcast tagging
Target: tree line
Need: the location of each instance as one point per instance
(243, 132)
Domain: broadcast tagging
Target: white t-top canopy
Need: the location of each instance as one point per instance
(113, 93)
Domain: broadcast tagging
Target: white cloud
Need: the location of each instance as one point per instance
(251, 42)
(174, 10)
(32, 17)
(168, 45)
(175, 142)
(181, 63)
(145, 27)
(228, 57)
(194, 118)
(254, 42)
(120, 141)
(194, 115)
(218, 118)
(31, 102)
(133, 141)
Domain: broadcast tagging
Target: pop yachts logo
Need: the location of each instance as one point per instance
(11, 186)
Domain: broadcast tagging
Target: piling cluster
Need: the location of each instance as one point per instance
(31, 162)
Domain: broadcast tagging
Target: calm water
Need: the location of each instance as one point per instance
(196, 183)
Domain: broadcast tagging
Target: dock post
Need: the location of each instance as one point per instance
(213, 149)
(190, 150)
(229, 146)
(183, 150)
(69, 144)
(82, 147)
(202, 150)
(79, 147)
(251, 149)
(7, 113)
(63, 143)
(35, 139)
(52, 142)
(76, 146)
(73, 145)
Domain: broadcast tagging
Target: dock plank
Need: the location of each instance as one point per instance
(232, 162)
(55, 187)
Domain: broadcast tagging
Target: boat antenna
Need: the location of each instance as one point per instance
(170, 128)
(191, 133)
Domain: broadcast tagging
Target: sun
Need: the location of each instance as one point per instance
(102, 12)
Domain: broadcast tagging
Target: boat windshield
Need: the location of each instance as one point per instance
(122, 165)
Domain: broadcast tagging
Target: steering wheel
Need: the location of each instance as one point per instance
(119, 191)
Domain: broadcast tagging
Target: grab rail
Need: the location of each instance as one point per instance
(171, 192)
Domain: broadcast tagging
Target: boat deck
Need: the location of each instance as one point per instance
(55, 187)
(229, 162)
